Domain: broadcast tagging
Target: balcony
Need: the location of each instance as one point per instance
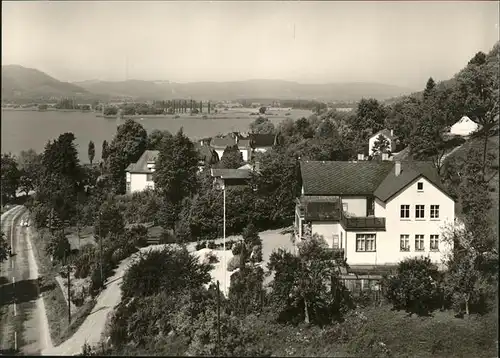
(355, 223)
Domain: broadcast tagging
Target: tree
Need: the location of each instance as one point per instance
(175, 176)
(262, 110)
(479, 84)
(105, 150)
(414, 287)
(58, 246)
(127, 146)
(10, 177)
(109, 221)
(262, 125)
(29, 168)
(370, 117)
(171, 270)
(429, 88)
(472, 271)
(4, 248)
(156, 137)
(307, 287)
(246, 291)
(381, 146)
(91, 152)
(232, 158)
(403, 116)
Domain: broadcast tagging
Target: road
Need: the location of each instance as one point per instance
(24, 324)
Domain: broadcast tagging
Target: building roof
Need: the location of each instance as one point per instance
(231, 173)
(386, 133)
(262, 140)
(141, 165)
(410, 171)
(363, 178)
(224, 142)
(206, 153)
(343, 178)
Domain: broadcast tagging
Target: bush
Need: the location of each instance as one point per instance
(200, 245)
(234, 263)
(211, 245)
(414, 288)
(237, 248)
(256, 255)
(84, 261)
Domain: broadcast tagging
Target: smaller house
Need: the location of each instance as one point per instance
(261, 143)
(230, 177)
(220, 143)
(464, 127)
(388, 134)
(207, 155)
(139, 175)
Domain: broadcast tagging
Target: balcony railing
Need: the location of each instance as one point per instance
(364, 223)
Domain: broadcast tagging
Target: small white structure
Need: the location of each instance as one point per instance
(464, 127)
(388, 134)
(139, 175)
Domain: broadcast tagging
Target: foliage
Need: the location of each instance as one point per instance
(307, 287)
(29, 168)
(231, 158)
(87, 256)
(91, 151)
(168, 270)
(246, 292)
(4, 248)
(370, 116)
(126, 147)
(262, 125)
(381, 146)
(58, 246)
(140, 207)
(10, 177)
(414, 287)
(105, 150)
(175, 176)
(429, 88)
(156, 137)
(109, 220)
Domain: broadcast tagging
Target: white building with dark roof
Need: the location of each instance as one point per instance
(139, 175)
(375, 213)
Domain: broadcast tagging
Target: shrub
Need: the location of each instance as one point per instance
(84, 261)
(211, 245)
(256, 255)
(234, 263)
(414, 288)
(200, 245)
(237, 248)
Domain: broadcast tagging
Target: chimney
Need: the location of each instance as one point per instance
(392, 132)
(385, 156)
(397, 167)
(361, 156)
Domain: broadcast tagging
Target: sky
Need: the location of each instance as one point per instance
(398, 43)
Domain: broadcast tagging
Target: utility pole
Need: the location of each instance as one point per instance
(100, 250)
(69, 293)
(224, 236)
(218, 318)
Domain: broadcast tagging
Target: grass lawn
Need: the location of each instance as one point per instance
(442, 335)
(55, 303)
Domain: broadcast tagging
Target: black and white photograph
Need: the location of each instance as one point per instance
(250, 178)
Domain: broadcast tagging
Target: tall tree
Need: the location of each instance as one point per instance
(231, 158)
(105, 150)
(175, 175)
(29, 163)
(380, 146)
(479, 83)
(91, 152)
(156, 137)
(262, 125)
(4, 248)
(127, 146)
(429, 88)
(10, 177)
(370, 117)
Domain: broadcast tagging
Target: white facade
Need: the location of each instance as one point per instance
(378, 247)
(464, 127)
(244, 153)
(139, 182)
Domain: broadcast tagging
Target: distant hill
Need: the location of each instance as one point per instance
(275, 89)
(19, 82)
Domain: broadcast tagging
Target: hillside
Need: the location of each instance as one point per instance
(274, 89)
(19, 82)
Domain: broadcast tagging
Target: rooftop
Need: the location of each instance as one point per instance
(141, 165)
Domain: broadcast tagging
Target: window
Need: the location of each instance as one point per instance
(434, 245)
(420, 186)
(404, 242)
(405, 211)
(149, 177)
(434, 211)
(345, 207)
(365, 242)
(336, 244)
(419, 242)
(419, 211)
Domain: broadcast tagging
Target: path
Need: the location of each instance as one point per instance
(91, 330)
(25, 326)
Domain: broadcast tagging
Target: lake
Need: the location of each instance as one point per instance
(22, 130)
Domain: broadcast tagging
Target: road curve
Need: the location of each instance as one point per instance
(25, 325)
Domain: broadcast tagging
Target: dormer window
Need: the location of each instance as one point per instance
(420, 186)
